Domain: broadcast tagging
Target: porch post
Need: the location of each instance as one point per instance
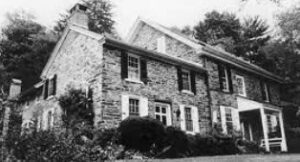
(265, 129)
(283, 143)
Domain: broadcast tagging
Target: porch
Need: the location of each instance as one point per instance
(262, 123)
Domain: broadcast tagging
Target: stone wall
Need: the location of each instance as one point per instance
(162, 85)
(252, 82)
(147, 38)
(78, 64)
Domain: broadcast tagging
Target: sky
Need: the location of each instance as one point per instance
(166, 12)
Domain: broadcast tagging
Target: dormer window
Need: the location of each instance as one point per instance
(161, 44)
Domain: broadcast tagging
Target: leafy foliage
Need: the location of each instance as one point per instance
(242, 39)
(100, 17)
(76, 109)
(25, 47)
(142, 134)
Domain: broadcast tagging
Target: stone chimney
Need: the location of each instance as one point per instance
(15, 88)
(78, 16)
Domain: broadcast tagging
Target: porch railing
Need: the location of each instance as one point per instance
(273, 142)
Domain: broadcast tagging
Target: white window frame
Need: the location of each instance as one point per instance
(189, 80)
(243, 85)
(235, 118)
(167, 114)
(161, 44)
(143, 105)
(195, 118)
(138, 79)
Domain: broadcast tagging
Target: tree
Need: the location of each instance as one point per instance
(242, 39)
(25, 47)
(100, 17)
(289, 23)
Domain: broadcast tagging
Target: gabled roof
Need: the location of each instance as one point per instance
(63, 38)
(139, 23)
(205, 50)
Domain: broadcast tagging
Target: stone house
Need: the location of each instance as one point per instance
(158, 73)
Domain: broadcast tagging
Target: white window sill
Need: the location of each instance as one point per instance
(50, 97)
(134, 81)
(187, 92)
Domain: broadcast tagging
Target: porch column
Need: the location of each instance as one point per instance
(265, 129)
(283, 142)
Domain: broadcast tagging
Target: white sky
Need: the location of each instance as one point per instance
(166, 12)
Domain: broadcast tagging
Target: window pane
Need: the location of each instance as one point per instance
(186, 80)
(164, 120)
(133, 67)
(188, 119)
(163, 110)
(157, 109)
(240, 86)
(133, 107)
(157, 117)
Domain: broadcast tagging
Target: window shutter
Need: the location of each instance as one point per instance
(143, 107)
(221, 73)
(223, 119)
(182, 117)
(125, 106)
(229, 80)
(54, 84)
(46, 89)
(144, 77)
(262, 90)
(236, 119)
(269, 94)
(179, 75)
(193, 82)
(195, 119)
(124, 64)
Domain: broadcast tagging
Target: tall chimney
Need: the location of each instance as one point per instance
(78, 16)
(15, 88)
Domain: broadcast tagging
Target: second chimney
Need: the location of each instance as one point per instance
(79, 16)
(15, 88)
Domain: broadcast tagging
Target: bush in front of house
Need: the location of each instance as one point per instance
(142, 134)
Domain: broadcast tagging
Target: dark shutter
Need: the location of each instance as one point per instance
(54, 84)
(144, 74)
(268, 88)
(193, 82)
(179, 75)
(262, 90)
(46, 89)
(221, 73)
(124, 64)
(229, 80)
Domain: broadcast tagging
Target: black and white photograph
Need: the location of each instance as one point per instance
(150, 80)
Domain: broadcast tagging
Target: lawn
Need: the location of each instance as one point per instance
(237, 158)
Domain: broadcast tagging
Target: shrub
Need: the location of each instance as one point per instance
(142, 134)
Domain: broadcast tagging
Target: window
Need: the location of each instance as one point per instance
(134, 107)
(224, 78)
(162, 113)
(241, 88)
(133, 67)
(161, 44)
(265, 92)
(186, 80)
(230, 119)
(49, 120)
(188, 119)
(49, 88)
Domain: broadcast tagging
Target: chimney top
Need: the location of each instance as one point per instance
(78, 7)
(78, 16)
